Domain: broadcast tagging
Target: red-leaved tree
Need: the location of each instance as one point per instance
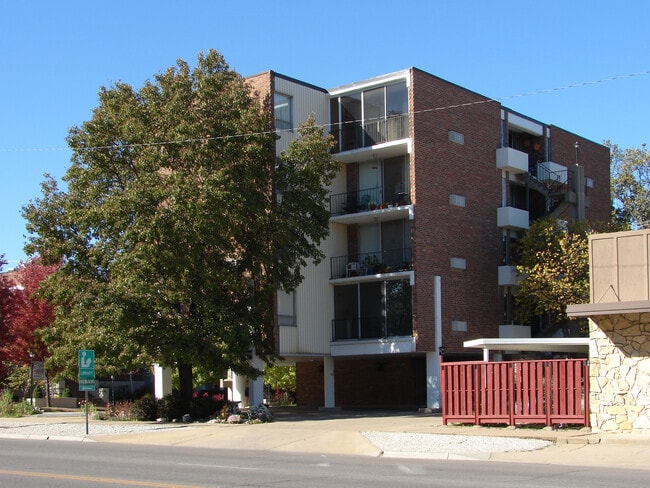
(7, 302)
(24, 313)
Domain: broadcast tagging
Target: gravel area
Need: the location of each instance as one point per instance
(456, 444)
(78, 429)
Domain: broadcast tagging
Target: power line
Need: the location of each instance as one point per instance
(324, 126)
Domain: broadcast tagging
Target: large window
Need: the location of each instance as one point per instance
(371, 116)
(282, 110)
(372, 310)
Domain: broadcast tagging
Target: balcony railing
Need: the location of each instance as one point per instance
(556, 181)
(366, 200)
(371, 263)
(355, 135)
(371, 327)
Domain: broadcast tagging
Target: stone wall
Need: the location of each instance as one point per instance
(620, 373)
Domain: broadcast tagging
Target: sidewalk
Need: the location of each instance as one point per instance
(341, 432)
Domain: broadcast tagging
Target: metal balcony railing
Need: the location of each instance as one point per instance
(367, 199)
(555, 181)
(371, 263)
(371, 327)
(355, 135)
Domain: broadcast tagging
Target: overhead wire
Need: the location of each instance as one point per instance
(324, 126)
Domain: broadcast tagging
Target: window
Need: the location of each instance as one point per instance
(286, 308)
(282, 111)
(373, 310)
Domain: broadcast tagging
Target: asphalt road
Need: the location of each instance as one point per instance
(53, 464)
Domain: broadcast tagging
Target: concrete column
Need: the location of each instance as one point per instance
(238, 388)
(162, 381)
(434, 397)
(329, 382)
(256, 386)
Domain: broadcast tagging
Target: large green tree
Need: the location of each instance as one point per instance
(171, 239)
(630, 184)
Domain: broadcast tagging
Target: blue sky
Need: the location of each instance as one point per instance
(56, 55)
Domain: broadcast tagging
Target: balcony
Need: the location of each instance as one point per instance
(512, 218)
(360, 328)
(370, 205)
(508, 276)
(371, 263)
(512, 160)
(384, 138)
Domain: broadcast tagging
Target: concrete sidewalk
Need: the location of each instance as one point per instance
(341, 432)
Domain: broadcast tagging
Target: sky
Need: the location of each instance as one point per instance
(580, 65)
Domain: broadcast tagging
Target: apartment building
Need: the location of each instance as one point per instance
(436, 184)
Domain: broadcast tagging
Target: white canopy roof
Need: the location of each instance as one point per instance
(563, 344)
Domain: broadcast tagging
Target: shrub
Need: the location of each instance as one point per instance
(122, 410)
(205, 407)
(173, 407)
(145, 408)
(7, 406)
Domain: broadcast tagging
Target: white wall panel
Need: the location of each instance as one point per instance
(305, 101)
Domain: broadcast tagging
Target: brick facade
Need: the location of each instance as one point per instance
(454, 137)
(441, 231)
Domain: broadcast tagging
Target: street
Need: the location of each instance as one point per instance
(53, 464)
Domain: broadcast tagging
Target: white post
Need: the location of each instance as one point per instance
(238, 388)
(434, 396)
(433, 381)
(162, 381)
(256, 386)
(329, 381)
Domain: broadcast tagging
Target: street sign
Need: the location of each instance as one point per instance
(86, 370)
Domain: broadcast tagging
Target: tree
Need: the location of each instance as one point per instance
(171, 240)
(630, 180)
(7, 303)
(29, 314)
(554, 262)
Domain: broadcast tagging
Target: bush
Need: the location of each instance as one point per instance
(122, 410)
(7, 406)
(145, 408)
(205, 407)
(173, 407)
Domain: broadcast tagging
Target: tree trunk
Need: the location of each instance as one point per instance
(185, 380)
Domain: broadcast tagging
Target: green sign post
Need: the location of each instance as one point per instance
(86, 360)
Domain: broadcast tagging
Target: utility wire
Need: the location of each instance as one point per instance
(324, 126)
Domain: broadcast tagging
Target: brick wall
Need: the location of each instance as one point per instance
(441, 231)
(370, 382)
(309, 384)
(262, 83)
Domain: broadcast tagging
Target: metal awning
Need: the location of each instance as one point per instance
(563, 344)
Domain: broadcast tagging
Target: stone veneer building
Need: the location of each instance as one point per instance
(619, 330)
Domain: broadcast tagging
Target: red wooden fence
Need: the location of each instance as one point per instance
(516, 392)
